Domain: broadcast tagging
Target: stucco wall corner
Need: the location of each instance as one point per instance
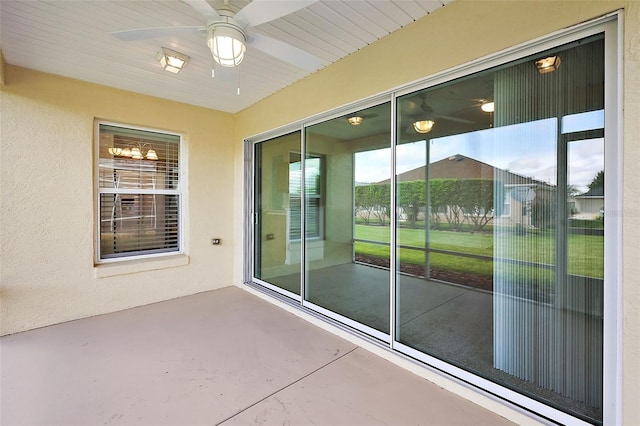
(3, 71)
(631, 217)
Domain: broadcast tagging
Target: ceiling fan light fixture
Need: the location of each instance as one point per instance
(423, 126)
(488, 106)
(171, 61)
(356, 120)
(227, 44)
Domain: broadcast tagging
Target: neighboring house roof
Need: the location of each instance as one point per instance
(462, 167)
(597, 192)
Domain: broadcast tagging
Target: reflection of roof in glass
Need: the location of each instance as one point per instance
(593, 192)
(463, 167)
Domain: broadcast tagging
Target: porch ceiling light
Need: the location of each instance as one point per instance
(423, 126)
(171, 61)
(227, 44)
(356, 120)
(488, 107)
(549, 64)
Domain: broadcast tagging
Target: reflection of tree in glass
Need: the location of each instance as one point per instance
(462, 200)
(572, 191)
(411, 197)
(476, 196)
(382, 203)
(543, 211)
(372, 201)
(597, 182)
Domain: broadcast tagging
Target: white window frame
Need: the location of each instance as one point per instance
(320, 204)
(98, 191)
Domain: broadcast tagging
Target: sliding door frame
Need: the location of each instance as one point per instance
(612, 26)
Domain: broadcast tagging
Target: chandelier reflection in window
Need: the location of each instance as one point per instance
(135, 150)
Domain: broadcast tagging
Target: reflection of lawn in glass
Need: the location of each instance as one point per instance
(586, 252)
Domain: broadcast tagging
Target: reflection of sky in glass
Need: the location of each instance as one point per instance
(586, 159)
(527, 149)
(374, 166)
(583, 121)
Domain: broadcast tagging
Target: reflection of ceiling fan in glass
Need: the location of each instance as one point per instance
(420, 114)
(423, 116)
(227, 35)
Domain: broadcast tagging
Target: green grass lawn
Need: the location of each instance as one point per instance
(586, 252)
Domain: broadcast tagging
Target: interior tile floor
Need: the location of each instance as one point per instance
(220, 357)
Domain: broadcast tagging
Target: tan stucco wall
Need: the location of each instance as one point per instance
(462, 31)
(3, 69)
(47, 201)
(46, 130)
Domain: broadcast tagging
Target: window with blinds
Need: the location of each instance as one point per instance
(312, 188)
(139, 196)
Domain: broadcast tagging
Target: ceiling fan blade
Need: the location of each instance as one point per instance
(204, 9)
(452, 118)
(147, 33)
(411, 107)
(260, 11)
(285, 52)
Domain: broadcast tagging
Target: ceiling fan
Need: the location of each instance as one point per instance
(417, 107)
(422, 116)
(228, 35)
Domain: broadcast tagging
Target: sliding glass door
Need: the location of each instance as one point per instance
(276, 218)
(506, 218)
(461, 222)
(343, 155)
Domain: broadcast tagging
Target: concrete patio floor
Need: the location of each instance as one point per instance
(220, 357)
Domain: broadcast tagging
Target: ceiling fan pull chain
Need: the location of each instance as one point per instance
(238, 80)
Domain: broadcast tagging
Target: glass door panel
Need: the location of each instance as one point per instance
(500, 232)
(277, 257)
(347, 174)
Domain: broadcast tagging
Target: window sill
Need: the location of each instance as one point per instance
(139, 265)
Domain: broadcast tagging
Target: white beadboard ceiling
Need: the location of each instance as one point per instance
(73, 39)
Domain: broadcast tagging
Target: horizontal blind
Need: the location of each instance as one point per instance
(138, 224)
(313, 218)
(312, 189)
(139, 192)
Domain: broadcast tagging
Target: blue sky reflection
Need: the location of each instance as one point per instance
(528, 149)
